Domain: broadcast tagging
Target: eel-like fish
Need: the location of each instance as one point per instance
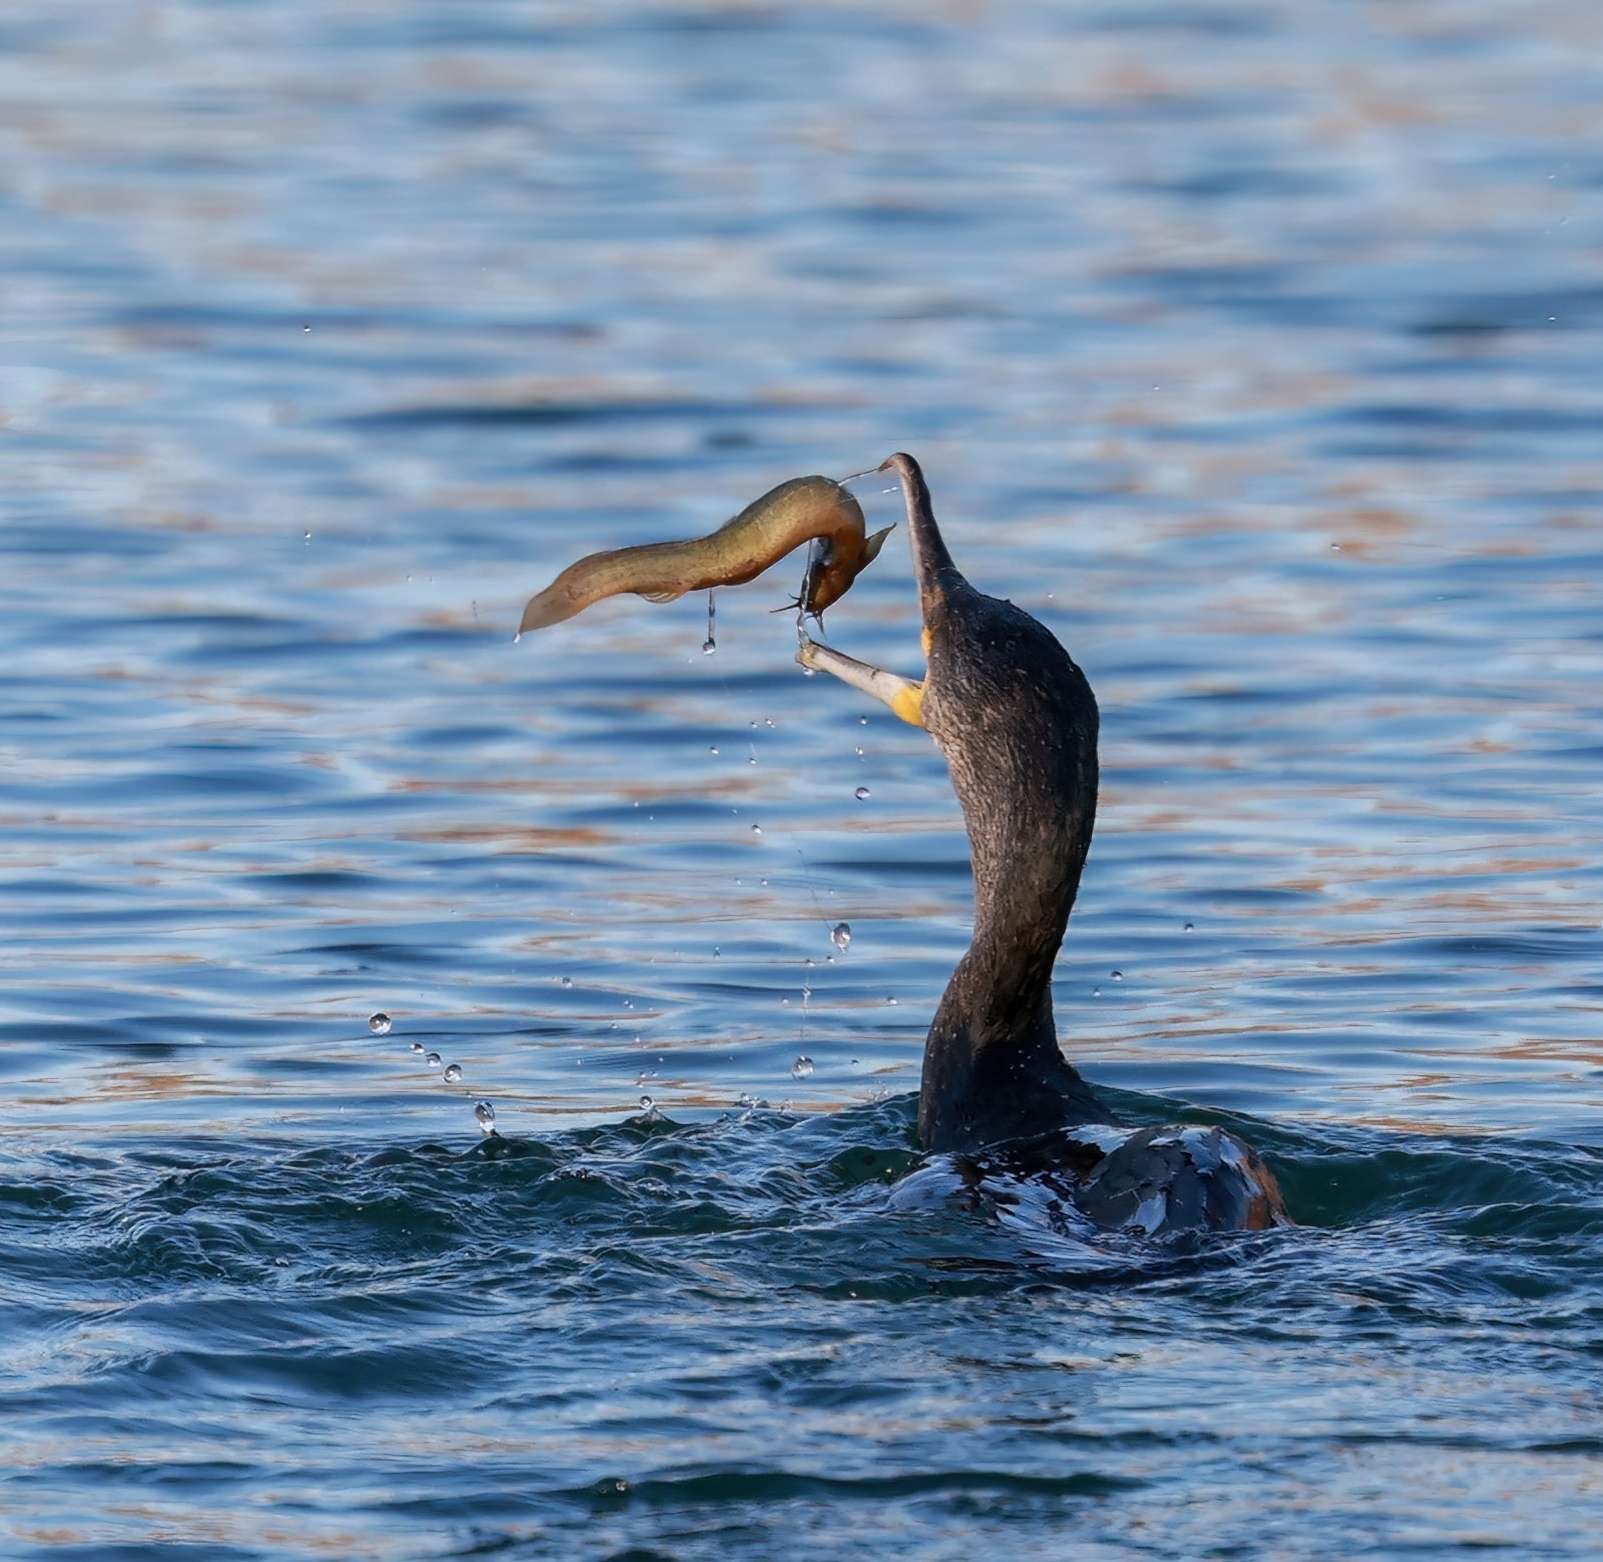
(740, 550)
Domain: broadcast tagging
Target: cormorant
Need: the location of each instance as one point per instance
(1017, 724)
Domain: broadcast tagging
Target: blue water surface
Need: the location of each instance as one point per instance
(1253, 347)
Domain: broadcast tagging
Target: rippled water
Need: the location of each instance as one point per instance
(1253, 347)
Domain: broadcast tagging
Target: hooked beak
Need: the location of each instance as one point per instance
(932, 564)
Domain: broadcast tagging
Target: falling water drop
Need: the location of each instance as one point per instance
(484, 1114)
(1096, 992)
(756, 829)
(841, 936)
(1190, 927)
(802, 1068)
(862, 794)
(1117, 976)
(712, 748)
(453, 1073)
(379, 1024)
(567, 981)
(434, 1060)
(417, 1046)
(708, 646)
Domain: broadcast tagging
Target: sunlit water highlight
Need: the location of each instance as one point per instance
(457, 1093)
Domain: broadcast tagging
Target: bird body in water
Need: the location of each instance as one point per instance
(1016, 721)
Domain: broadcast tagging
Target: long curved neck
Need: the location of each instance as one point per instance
(1017, 723)
(992, 1066)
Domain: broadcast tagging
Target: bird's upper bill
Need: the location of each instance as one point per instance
(932, 564)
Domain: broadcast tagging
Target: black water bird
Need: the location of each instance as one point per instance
(1017, 724)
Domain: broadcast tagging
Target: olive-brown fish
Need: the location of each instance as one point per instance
(740, 550)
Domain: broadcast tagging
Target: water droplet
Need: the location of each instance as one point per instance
(644, 1075)
(862, 794)
(1117, 976)
(484, 1114)
(567, 981)
(434, 1060)
(841, 936)
(1190, 927)
(752, 760)
(517, 639)
(453, 1073)
(756, 829)
(379, 1024)
(1096, 992)
(648, 1106)
(308, 536)
(716, 952)
(768, 721)
(862, 721)
(417, 1046)
(708, 646)
(891, 1001)
(859, 750)
(802, 1068)
(809, 672)
(745, 1100)
(712, 748)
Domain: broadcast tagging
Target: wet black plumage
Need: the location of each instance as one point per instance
(1016, 722)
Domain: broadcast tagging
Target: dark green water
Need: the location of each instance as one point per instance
(1255, 349)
